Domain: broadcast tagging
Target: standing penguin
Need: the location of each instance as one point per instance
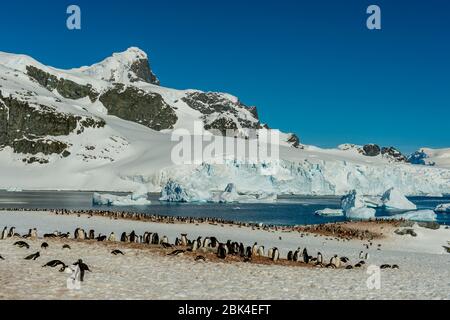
(222, 251)
(319, 258)
(33, 234)
(275, 255)
(270, 253)
(184, 241)
(4, 233)
(290, 256)
(155, 238)
(165, 239)
(91, 234)
(112, 237)
(305, 256)
(261, 251)
(335, 261)
(132, 236)
(11, 232)
(123, 237)
(297, 255)
(83, 267)
(255, 249)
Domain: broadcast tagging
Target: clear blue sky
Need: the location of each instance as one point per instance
(311, 67)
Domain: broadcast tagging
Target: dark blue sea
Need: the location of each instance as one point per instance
(288, 210)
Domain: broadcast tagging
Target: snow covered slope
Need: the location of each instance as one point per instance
(108, 127)
(432, 157)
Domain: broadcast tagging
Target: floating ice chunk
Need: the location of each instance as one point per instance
(443, 208)
(327, 212)
(14, 189)
(420, 215)
(395, 200)
(360, 213)
(373, 201)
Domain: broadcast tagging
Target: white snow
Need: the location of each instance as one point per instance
(124, 155)
(145, 275)
(395, 200)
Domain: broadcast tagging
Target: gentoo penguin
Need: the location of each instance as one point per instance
(361, 255)
(66, 246)
(344, 259)
(11, 232)
(194, 245)
(145, 237)
(349, 267)
(394, 266)
(270, 253)
(101, 238)
(33, 256)
(335, 261)
(296, 256)
(214, 242)
(55, 263)
(206, 242)
(91, 234)
(261, 251)
(123, 237)
(22, 244)
(385, 266)
(4, 233)
(319, 257)
(83, 267)
(241, 250)
(275, 254)
(44, 245)
(165, 239)
(290, 256)
(117, 252)
(184, 241)
(305, 256)
(366, 256)
(175, 252)
(248, 252)
(255, 249)
(133, 236)
(155, 238)
(112, 237)
(33, 234)
(222, 251)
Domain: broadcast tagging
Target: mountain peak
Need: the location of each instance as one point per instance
(131, 65)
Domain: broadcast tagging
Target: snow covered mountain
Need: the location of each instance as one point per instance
(109, 127)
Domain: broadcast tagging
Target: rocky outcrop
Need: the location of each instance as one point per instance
(132, 104)
(371, 150)
(393, 154)
(142, 72)
(66, 88)
(232, 114)
(26, 128)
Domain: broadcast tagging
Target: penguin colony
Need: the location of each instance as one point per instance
(337, 230)
(208, 245)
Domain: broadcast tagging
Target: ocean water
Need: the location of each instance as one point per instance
(288, 210)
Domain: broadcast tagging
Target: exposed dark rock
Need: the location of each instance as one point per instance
(294, 140)
(132, 104)
(25, 128)
(212, 102)
(66, 88)
(394, 154)
(141, 68)
(371, 150)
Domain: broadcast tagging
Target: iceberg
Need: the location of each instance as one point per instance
(113, 200)
(420, 215)
(355, 207)
(395, 200)
(174, 192)
(443, 208)
(327, 212)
